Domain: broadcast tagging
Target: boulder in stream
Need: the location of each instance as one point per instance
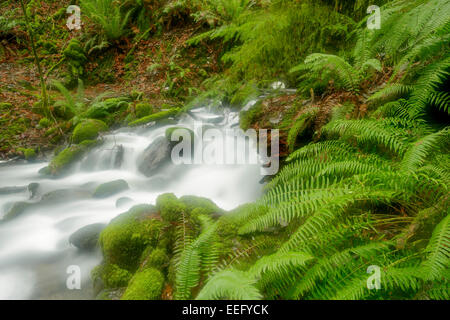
(154, 156)
(86, 238)
(110, 188)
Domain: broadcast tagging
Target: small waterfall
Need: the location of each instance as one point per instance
(34, 248)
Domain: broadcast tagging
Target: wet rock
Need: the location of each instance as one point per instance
(118, 157)
(33, 189)
(62, 195)
(45, 171)
(86, 238)
(17, 209)
(121, 202)
(156, 154)
(11, 190)
(110, 188)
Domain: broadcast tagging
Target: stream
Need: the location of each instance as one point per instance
(34, 248)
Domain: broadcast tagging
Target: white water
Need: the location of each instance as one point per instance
(34, 247)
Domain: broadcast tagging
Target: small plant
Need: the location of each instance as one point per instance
(108, 15)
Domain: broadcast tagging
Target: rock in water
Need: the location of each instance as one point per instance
(33, 188)
(118, 157)
(110, 188)
(86, 238)
(156, 154)
(121, 202)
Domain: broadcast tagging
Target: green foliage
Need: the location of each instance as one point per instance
(67, 157)
(76, 59)
(127, 235)
(267, 39)
(155, 117)
(319, 65)
(107, 14)
(143, 109)
(112, 276)
(44, 123)
(170, 207)
(88, 130)
(145, 285)
(28, 153)
(300, 125)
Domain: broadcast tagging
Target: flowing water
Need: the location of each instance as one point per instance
(34, 248)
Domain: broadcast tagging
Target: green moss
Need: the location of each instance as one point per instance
(170, 131)
(170, 207)
(44, 123)
(28, 153)
(110, 188)
(65, 159)
(194, 202)
(155, 117)
(156, 258)
(143, 109)
(145, 285)
(5, 106)
(126, 237)
(87, 130)
(75, 59)
(111, 275)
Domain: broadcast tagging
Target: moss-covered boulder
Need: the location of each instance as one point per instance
(155, 117)
(154, 258)
(143, 109)
(88, 130)
(145, 285)
(188, 132)
(110, 188)
(67, 157)
(170, 208)
(206, 205)
(129, 234)
(44, 123)
(111, 276)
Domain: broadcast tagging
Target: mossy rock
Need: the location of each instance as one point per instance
(129, 234)
(111, 275)
(44, 123)
(143, 109)
(63, 111)
(88, 130)
(170, 207)
(154, 258)
(155, 117)
(171, 130)
(207, 205)
(145, 285)
(67, 157)
(28, 153)
(110, 188)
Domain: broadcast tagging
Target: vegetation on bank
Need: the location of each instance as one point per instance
(365, 140)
